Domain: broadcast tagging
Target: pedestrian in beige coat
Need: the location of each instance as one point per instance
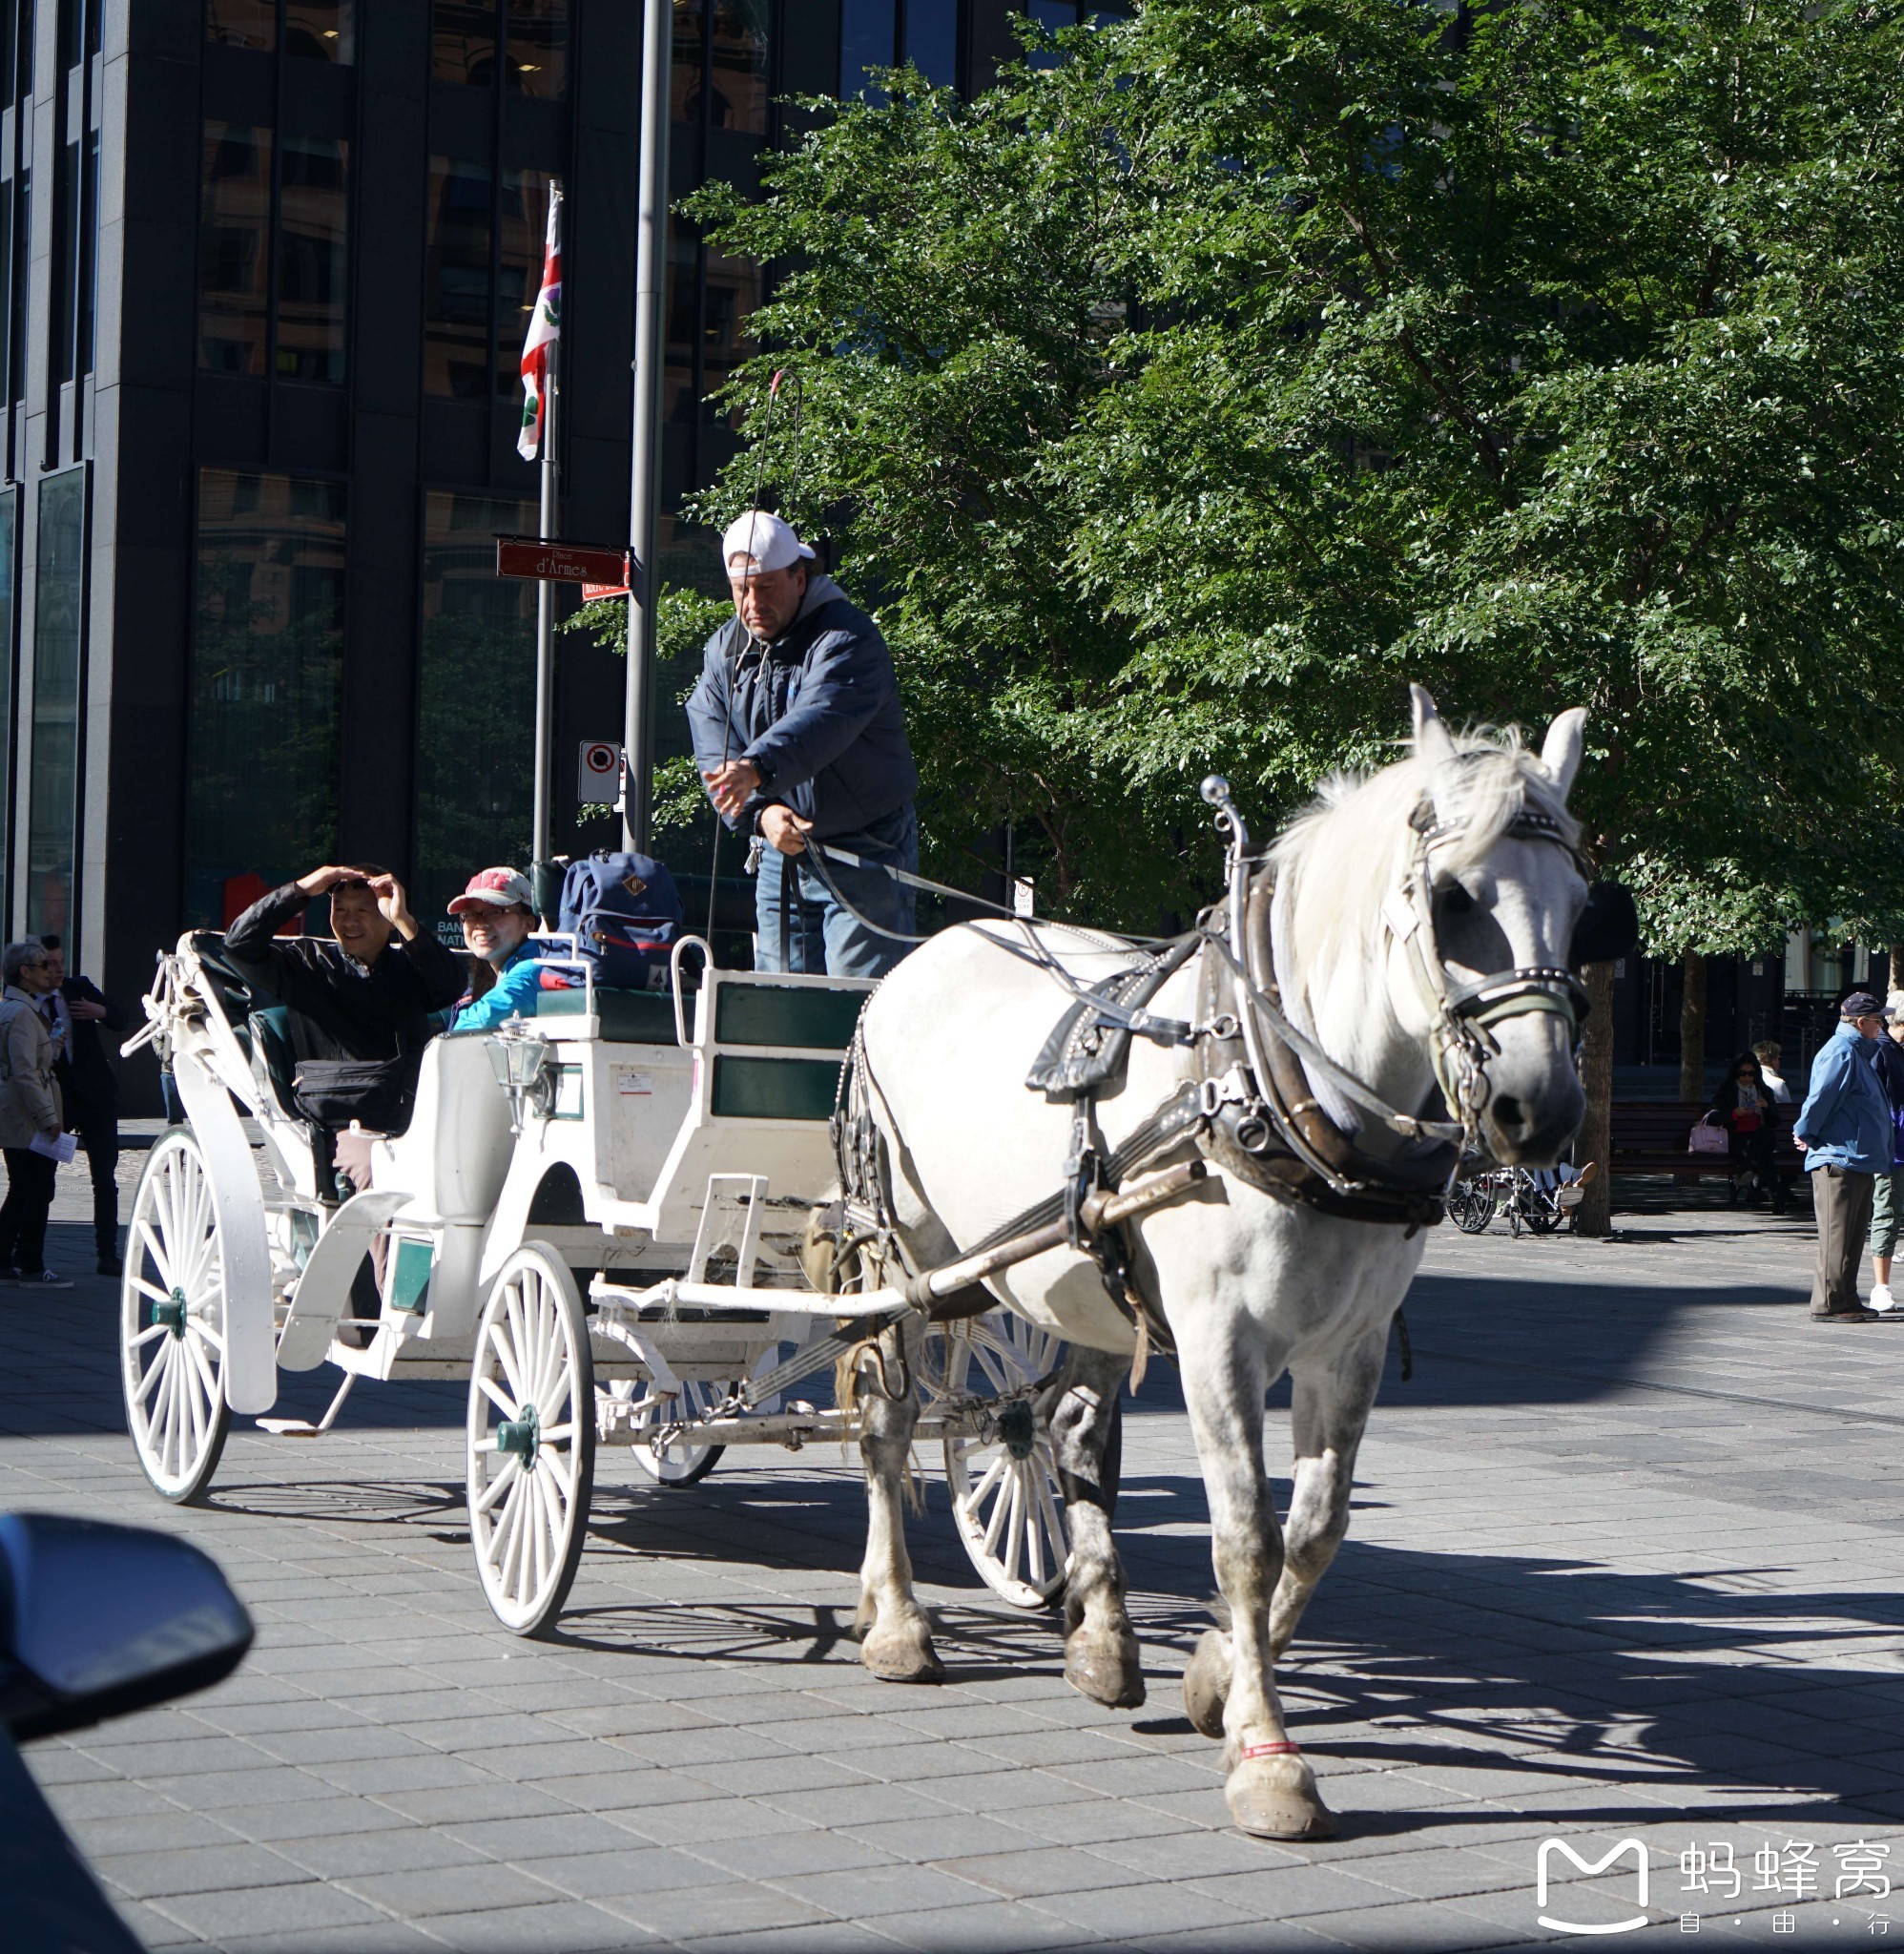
(30, 1108)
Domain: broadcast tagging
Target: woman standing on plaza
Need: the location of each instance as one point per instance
(29, 1110)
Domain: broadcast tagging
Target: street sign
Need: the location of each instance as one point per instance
(551, 560)
(599, 775)
(590, 591)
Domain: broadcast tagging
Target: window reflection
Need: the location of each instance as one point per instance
(684, 74)
(312, 258)
(523, 224)
(475, 760)
(456, 296)
(267, 657)
(235, 248)
(59, 604)
(739, 99)
(868, 39)
(537, 54)
(463, 35)
(932, 39)
(242, 23)
(318, 29)
(9, 502)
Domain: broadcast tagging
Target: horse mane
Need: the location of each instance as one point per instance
(1337, 859)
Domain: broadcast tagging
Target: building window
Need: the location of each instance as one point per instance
(531, 35)
(59, 607)
(234, 249)
(456, 275)
(267, 659)
(9, 504)
(237, 323)
(313, 211)
(310, 29)
(883, 33)
(80, 241)
(475, 765)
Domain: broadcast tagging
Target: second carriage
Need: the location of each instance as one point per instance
(594, 1216)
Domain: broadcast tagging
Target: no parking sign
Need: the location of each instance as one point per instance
(598, 776)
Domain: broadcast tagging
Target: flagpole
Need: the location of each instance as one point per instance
(650, 289)
(542, 845)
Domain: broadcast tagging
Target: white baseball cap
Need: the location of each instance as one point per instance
(766, 538)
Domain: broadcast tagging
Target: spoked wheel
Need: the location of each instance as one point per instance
(172, 1321)
(1540, 1208)
(1471, 1206)
(680, 1462)
(532, 1439)
(1006, 1501)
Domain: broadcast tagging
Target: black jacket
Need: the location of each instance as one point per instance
(349, 1009)
(88, 1084)
(816, 711)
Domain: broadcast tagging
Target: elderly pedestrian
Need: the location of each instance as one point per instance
(89, 1090)
(799, 738)
(1845, 1132)
(29, 1111)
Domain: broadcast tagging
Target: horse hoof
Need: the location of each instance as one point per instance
(1107, 1669)
(903, 1655)
(1276, 1798)
(1207, 1682)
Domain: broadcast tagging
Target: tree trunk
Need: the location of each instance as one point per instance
(1897, 966)
(1595, 1214)
(1693, 1029)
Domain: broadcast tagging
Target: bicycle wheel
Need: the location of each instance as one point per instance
(1471, 1205)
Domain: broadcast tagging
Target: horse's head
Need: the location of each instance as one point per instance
(1453, 873)
(1496, 871)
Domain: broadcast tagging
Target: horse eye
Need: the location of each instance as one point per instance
(1456, 900)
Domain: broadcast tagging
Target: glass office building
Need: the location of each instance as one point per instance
(264, 272)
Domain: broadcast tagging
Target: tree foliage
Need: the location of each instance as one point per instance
(1177, 401)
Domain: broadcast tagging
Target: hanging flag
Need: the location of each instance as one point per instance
(544, 328)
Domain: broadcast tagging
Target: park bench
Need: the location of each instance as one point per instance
(1650, 1136)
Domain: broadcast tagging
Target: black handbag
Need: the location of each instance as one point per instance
(376, 1093)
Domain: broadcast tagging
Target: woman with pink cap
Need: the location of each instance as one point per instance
(497, 911)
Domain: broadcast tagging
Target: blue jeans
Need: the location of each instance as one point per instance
(800, 925)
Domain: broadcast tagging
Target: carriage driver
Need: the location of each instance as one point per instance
(799, 735)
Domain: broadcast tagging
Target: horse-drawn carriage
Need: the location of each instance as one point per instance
(594, 1216)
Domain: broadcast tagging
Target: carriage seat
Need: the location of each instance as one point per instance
(628, 1017)
(230, 989)
(454, 1156)
(274, 1058)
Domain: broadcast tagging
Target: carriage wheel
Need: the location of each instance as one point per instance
(172, 1321)
(681, 1462)
(532, 1439)
(1007, 1501)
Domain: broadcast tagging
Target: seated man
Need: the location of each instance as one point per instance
(364, 997)
(497, 911)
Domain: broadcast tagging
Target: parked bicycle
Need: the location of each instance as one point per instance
(1538, 1202)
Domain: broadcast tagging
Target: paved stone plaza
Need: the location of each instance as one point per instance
(1625, 1565)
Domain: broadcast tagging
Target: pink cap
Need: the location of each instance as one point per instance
(497, 888)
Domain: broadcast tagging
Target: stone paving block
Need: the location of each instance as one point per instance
(725, 1820)
(210, 1791)
(422, 1892)
(156, 1875)
(546, 1832)
(561, 1926)
(1125, 1912)
(783, 1855)
(489, 1798)
(628, 1868)
(219, 1916)
(832, 1937)
(61, 1765)
(1000, 1928)
(391, 1936)
(865, 1892)
(154, 1928)
(417, 1770)
(722, 1906)
(405, 1848)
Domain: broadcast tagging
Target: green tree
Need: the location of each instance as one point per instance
(1177, 402)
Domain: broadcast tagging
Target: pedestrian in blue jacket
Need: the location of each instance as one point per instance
(1843, 1130)
(799, 736)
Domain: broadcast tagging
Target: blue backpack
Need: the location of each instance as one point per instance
(623, 909)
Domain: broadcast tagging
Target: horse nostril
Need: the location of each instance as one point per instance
(1510, 1114)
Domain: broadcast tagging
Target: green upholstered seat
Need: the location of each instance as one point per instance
(821, 1020)
(628, 1017)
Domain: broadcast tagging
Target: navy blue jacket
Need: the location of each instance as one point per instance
(816, 711)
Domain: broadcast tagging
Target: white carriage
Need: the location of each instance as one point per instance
(592, 1216)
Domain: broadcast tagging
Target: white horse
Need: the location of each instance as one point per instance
(1422, 918)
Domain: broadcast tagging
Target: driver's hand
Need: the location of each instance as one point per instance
(733, 784)
(783, 829)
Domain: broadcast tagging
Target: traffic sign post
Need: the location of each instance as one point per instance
(553, 560)
(598, 773)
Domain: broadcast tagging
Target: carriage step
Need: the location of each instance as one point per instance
(323, 1289)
